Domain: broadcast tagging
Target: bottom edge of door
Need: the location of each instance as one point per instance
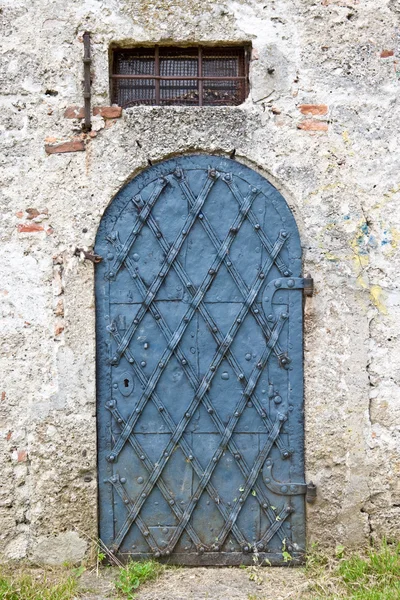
(220, 559)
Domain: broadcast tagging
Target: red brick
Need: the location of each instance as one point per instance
(58, 329)
(387, 53)
(313, 109)
(3, 396)
(74, 146)
(29, 227)
(107, 112)
(310, 125)
(8, 436)
(22, 456)
(74, 112)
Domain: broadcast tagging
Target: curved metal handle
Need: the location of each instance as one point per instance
(279, 487)
(285, 283)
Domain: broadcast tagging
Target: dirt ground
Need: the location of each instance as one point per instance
(207, 584)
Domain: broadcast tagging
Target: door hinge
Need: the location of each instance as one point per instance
(288, 488)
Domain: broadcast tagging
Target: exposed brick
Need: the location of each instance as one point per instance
(22, 456)
(310, 125)
(8, 436)
(74, 112)
(3, 396)
(387, 53)
(58, 329)
(313, 109)
(29, 227)
(19, 214)
(107, 112)
(32, 213)
(73, 146)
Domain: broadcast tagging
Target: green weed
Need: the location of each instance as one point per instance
(134, 574)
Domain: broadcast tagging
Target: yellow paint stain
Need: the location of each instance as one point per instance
(362, 282)
(331, 257)
(395, 233)
(376, 294)
(346, 137)
(387, 197)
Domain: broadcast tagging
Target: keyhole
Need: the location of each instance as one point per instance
(126, 382)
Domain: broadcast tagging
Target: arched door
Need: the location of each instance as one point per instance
(200, 367)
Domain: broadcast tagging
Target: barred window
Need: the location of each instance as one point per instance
(168, 76)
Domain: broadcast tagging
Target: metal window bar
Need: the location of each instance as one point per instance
(167, 76)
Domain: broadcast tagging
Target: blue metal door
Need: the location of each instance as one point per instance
(199, 363)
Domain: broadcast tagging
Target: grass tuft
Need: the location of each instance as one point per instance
(374, 575)
(28, 587)
(135, 574)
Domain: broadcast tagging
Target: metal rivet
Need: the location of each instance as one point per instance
(187, 415)
(157, 554)
(260, 547)
(248, 356)
(168, 553)
(158, 234)
(249, 404)
(138, 410)
(259, 365)
(126, 501)
(267, 480)
(265, 505)
(157, 317)
(234, 229)
(284, 315)
(143, 363)
(211, 271)
(293, 488)
(184, 361)
(286, 273)
(145, 533)
(110, 404)
(261, 275)
(245, 549)
(215, 459)
(111, 458)
(283, 233)
(142, 457)
(200, 215)
(284, 488)
(278, 283)
(144, 494)
(131, 359)
(215, 329)
(237, 456)
(281, 417)
(237, 414)
(146, 345)
(210, 410)
(161, 408)
(172, 502)
(212, 368)
(285, 454)
(240, 376)
(240, 500)
(212, 173)
(238, 320)
(201, 549)
(178, 173)
(257, 226)
(278, 400)
(256, 311)
(135, 321)
(186, 319)
(113, 235)
(270, 318)
(227, 177)
(115, 385)
(119, 420)
(228, 263)
(284, 360)
(184, 232)
(139, 479)
(166, 454)
(195, 499)
(161, 364)
(190, 457)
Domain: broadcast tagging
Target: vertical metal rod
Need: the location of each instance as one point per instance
(157, 72)
(200, 74)
(246, 71)
(86, 85)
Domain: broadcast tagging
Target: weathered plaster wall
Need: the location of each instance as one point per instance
(338, 171)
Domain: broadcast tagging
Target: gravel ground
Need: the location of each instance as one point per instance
(207, 584)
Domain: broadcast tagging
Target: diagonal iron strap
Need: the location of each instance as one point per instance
(283, 268)
(192, 377)
(169, 259)
(194, 382)
(202, 389)
(238, 279)
(177, 336)
(160, 185)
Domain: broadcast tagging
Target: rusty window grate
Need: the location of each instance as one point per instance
(169, 76)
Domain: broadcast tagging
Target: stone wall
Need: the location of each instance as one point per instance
(321, 123)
